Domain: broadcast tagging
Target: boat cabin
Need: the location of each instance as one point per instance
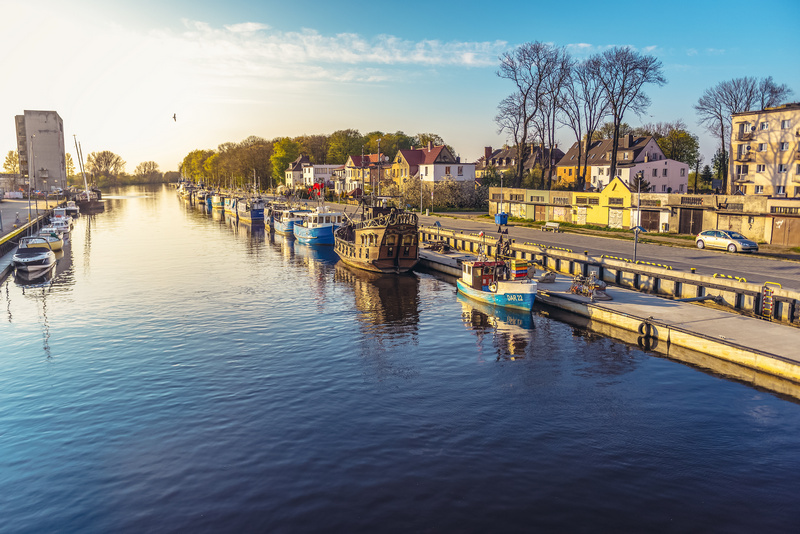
(480, 274)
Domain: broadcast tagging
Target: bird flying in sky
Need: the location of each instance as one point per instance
(175, 117)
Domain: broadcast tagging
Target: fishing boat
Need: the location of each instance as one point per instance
(33, 255)
(283, 220)
(218, 201)
(251, 210)
(88, 199)
(385, 240)
(317, 227)
(438, 255)
(498, 281)
(230, 205)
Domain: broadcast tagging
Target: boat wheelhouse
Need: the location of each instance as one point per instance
(498, 282)
(283, 220)
(317, 227)
(251, 210)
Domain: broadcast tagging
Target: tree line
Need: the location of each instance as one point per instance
(103, 169)
(264, 162)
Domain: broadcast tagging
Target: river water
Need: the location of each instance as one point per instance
(181, 373)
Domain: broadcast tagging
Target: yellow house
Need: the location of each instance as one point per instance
(611, 207)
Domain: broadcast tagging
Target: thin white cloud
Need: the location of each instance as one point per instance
(691, 52)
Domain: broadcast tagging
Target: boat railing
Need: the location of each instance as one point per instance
(389, 219)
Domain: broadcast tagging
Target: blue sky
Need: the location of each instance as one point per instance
(116, 71)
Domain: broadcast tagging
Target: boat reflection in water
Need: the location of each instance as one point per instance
(512, 329)
(388, 303)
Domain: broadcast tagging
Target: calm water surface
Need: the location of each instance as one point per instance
(183, 374)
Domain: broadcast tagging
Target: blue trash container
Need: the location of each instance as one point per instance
(501, 218)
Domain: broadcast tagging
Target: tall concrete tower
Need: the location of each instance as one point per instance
(40, 143)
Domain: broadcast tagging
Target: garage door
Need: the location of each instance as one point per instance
(615, 218)
(581, 215)
(539, 213)
(730, 222)
(786, 231)
(650, 220)
(691, 221)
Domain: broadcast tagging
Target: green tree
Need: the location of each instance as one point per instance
(675, 141)
(284, 151)
(11, 165)
(606, 131)
(706, 175)
(315, 146)
(342, 144)
(69, 164)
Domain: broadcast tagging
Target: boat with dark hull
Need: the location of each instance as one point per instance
(385, 240)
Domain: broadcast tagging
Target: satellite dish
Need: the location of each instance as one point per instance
(747, 148)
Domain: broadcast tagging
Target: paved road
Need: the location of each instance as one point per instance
(754, 268)
(10, 208)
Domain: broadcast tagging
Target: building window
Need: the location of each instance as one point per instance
(761, 168)
(797, 191)
(680, 188)
(785, 124)
(573, 157)
(664, 173)
(663, 188)
(780, 189)
(625, 155)
(461, 171)
(655, 173)
(762, 147)
(759, 189)
(601, 171)
(784, 146)
(569, 172)
(683, 172)
(783, 167)
(763, 126)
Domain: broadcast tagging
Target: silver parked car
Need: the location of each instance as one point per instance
(725, 239)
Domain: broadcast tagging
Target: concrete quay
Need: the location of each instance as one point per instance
(658, 322)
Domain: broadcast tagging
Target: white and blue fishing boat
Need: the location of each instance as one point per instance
(230, 205)
(251, 210)
(283, 220)
(498, 282)
(317, 227)
(218, 201)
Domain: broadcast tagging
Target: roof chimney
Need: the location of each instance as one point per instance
(430, 145)
(487, 153)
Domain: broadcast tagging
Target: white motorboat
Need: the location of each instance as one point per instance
(33, 255)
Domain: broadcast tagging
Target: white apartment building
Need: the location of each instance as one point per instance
(318, 174)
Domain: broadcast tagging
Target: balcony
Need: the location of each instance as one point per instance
(744, 157)
(745, 136)
(739, 177)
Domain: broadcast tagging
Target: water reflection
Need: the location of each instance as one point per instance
(511, 331)
(390, 303)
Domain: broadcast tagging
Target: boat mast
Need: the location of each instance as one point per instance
(80, 163)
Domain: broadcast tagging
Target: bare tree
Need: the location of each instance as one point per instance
(623, 72)
(717, 105)
(553, 102)
(584, 107)
(105, 163)
(529, 67)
